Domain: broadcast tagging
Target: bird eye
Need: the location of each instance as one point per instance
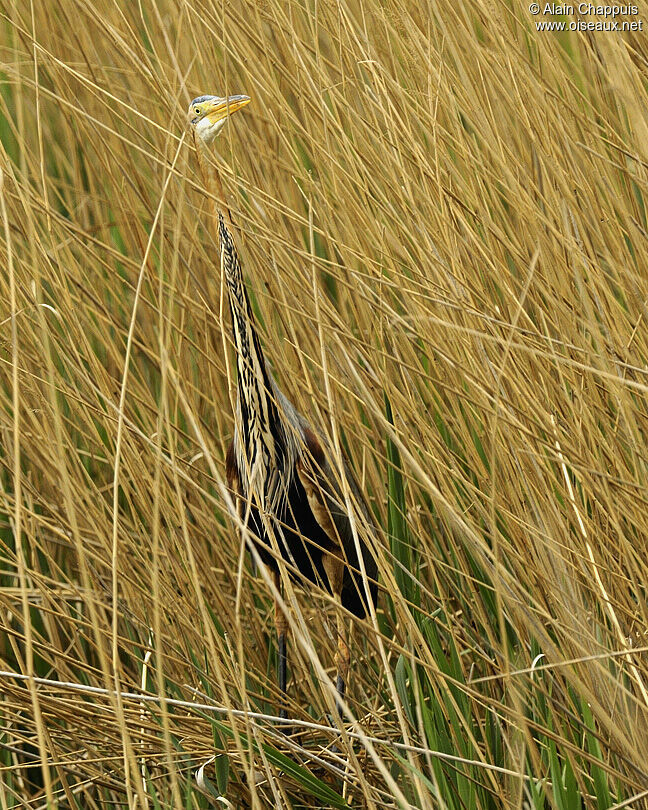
(197, 110)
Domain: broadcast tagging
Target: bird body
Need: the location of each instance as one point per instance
(288, 497)
(266, 464)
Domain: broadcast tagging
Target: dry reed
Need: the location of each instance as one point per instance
(440, 209)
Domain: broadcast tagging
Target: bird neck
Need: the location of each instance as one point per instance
(262, 441)
(260, 415)
(252, 370)
(212, 181)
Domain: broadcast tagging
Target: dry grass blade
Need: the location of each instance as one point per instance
(444, 232)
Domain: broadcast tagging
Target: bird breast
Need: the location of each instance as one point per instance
(266, 463)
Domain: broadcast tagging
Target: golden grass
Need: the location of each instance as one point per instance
(438, 206)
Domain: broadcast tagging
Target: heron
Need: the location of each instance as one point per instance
(288, 497)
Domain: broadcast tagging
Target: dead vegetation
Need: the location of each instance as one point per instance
(443, 226)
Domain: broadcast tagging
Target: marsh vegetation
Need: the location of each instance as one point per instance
(443, 226)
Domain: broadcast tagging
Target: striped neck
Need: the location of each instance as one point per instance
(261, 439)
(264, 444)
(259, 412)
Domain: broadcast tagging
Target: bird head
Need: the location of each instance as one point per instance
(208, 114)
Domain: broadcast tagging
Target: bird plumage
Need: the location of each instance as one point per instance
(288, 496)
(277, 461)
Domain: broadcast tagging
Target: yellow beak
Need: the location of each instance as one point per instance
(222, 107)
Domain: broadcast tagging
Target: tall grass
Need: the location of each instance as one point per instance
(443, 223)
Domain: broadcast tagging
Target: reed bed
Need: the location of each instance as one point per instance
(442, 219)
